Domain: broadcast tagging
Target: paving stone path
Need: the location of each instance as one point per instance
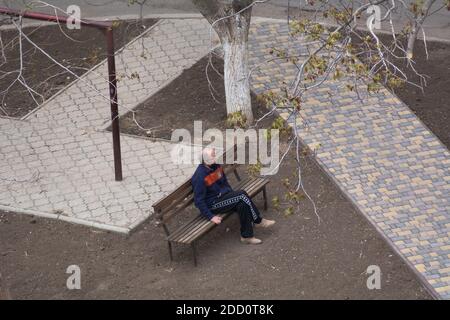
(59, 163)
(380, 154)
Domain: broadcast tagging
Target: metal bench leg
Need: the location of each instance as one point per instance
(170, 250)
(194, 253)
(265, 198)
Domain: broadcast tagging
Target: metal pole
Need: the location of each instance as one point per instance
(114, 108)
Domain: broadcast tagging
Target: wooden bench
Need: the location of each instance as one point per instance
(183, 196)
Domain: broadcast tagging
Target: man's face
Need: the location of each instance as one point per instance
(209, 156)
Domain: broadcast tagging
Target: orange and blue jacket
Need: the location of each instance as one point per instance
(209, 183)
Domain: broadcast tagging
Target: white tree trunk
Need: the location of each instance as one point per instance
(237, 86)
(416, 26)
(412, 36)
(231, 21)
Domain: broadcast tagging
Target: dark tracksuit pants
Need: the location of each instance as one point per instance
(239, 201)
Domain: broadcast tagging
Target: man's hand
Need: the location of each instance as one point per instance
(216, 219)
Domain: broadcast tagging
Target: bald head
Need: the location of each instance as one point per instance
(209, 155)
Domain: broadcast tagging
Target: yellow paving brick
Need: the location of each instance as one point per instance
(413, 258)
(420, 267)
(443, 289)
(445, 270)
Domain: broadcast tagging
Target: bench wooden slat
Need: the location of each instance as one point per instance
(191, 226)
(250, 186)
(204, 223)
(243, 185)
(194, 224)
(256, 186)
(171, 197)
(201, 229)
(166, 216)
(185, 227)
(204, 228)
(182, 196)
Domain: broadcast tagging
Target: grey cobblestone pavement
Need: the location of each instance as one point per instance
(379, 153)
(58, 163)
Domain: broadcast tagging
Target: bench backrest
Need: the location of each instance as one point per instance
(183, 196)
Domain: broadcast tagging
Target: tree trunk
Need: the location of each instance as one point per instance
(412, 36)
(231, 21)
(237, 86)
(417, 22)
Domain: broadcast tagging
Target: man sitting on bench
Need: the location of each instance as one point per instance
(213, 195)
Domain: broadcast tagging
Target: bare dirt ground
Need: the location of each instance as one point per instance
(166, 111)
(299, 259)
(432, 105)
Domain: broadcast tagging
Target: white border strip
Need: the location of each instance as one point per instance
(47, 215)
